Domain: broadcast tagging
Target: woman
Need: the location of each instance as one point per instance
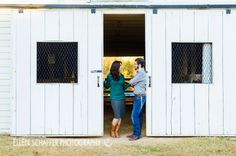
(116, 82)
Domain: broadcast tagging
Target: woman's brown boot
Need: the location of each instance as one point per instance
(113, 128)
(117, 131)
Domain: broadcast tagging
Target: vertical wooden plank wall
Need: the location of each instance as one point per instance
(56, 109)
(80, 90)
(37, 90)
(187, 91)
(95, 57)
(229, 73)
(176, 109)
(201, 90)
(193, 109)
(66, 90)
(216, 103)
(148, 54)
(23, 77)
(158, 74)
(173, 94)
(52, 91)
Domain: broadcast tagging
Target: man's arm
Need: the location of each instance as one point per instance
(137, 78)
(126, 85)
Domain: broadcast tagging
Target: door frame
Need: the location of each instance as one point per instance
(148, 51)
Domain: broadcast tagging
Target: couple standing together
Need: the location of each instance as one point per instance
(116, 82)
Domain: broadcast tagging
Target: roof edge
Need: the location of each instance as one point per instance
(107, 6)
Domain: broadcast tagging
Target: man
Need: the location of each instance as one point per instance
(139, 84)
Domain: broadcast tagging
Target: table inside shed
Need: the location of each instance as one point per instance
(128, 100)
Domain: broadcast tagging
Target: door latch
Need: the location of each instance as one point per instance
(98, 81)
(149, 81)
(96, 71)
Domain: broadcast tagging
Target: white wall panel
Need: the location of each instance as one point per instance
(158, 74)
(95, 57)
(173, 108)
(148, 58)
(187, 90)
(52, 98)
(77, 109)
(201, 90)
(80, 90)
(229, 73)
(216, 90)
(52, 108)
(66, 90)
(37, 90)
(23, 90)
(187, 110)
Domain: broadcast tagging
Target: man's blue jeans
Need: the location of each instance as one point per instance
(137, 114)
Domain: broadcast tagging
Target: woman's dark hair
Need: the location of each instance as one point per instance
(140, 61)
(115, 70)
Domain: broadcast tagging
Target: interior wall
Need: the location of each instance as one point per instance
(124, 35)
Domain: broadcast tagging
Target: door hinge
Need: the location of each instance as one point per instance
(154, 11)
(93, 11)
(228, 11)
(20, 11)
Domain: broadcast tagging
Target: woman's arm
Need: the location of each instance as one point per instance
(107, 83)
(126, 85)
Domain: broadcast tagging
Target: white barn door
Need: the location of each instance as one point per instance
(148, 59)
(155, 63)
(186, 109)
(159, 80)
(58, 109)
(95, 74)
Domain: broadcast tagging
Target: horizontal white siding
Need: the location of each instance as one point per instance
(5, 71)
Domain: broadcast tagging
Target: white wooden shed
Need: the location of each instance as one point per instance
(174, 108)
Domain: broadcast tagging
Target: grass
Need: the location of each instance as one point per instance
(209, 146)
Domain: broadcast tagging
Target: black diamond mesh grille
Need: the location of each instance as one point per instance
(57, 62)
(191, 63)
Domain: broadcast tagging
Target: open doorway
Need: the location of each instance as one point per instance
(124, 40)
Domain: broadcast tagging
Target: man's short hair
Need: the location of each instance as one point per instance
(140, 61)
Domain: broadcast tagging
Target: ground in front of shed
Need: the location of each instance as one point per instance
(126, 126)
(9, 146)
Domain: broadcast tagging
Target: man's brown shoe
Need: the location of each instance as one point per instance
(134, 138)
(129, 136)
